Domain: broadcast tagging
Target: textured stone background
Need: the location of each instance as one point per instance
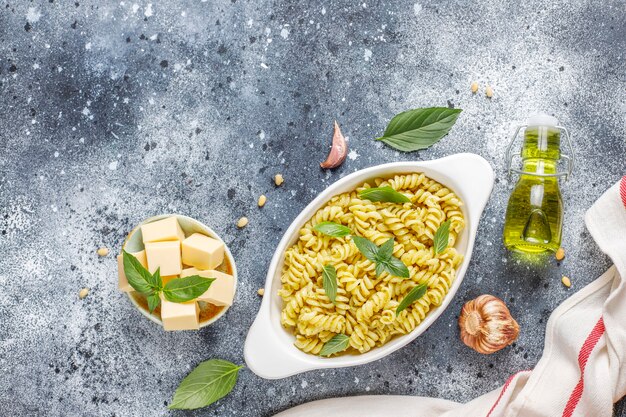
(114, 111)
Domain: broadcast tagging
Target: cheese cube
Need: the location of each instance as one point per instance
(164, 255)
(168, 278)
(162, 230)
(222, 290)
(202, 251)
(180, 316)
(187, 272)
(122, 282)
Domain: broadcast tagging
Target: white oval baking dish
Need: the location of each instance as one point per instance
(269, 351)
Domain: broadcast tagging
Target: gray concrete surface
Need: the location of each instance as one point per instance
(114, 111)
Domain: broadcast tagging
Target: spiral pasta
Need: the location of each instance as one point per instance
(365, 305)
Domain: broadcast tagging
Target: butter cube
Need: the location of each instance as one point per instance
(222, 290)
(168, 278)
(187, 272)
(202, 251)
(180, 316)
(122, 282)
(164, 255)
(162, 230)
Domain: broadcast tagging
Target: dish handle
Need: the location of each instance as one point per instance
(266, 354)
(471, 173)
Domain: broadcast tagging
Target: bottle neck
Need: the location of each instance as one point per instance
(541, 142)
(540, 166)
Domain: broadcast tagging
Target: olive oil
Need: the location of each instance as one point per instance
(534, 216)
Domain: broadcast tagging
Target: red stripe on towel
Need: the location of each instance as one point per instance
(583, 357)
(622, 190)
(504, 388)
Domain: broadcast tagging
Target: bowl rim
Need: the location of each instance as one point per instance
(211, 233)
(270, 358)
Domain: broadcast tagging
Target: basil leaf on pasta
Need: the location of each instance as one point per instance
(382, 256)
(413, 295)
(442, 235)
(329, 276)
(332, 229)
(385, 250)
(338, 343)
(380, 268)
(366, 247)
(395, 267)
(385, 194)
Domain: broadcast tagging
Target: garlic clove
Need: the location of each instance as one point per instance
(486, 324)
(338, 150)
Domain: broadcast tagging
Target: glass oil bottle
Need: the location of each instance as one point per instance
(534, 216)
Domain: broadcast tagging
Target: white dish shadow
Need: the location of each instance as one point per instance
(269, 350)
(134, 243)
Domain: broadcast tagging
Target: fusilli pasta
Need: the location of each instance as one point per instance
(365, 305)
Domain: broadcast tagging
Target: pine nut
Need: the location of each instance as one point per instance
(566, 281)
(560, 254)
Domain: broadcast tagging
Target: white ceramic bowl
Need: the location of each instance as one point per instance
(269, 351)
(134, 243)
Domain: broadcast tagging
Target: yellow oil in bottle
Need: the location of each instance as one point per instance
(534, 216)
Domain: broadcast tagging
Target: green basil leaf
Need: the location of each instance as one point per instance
(419, 128)
(386, 194)
(366, 247)
(185, 289)
(329, 276)
(380, 268)
(210, 381)
(338, 343)
(332, 229)
(155, 280)
(415, 294)
(395, 267)
(382, 256)
(442, 237)
(385, 251)
(138, 277)
(153, 301)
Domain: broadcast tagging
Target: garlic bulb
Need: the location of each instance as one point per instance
(486, 324)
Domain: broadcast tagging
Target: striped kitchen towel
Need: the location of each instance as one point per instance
(582, 371)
